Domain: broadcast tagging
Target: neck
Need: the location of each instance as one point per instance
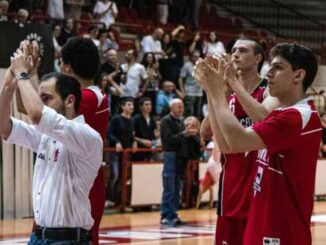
(125, 114)
(249, 80)
(85, 83)
(145, 114)
(291, 98)
(70, 115)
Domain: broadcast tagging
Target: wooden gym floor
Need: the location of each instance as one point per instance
(143, 228)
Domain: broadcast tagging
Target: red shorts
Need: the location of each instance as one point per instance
(207, 181)
(229, 231)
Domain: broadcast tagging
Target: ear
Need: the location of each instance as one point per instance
(299, 75)
(70, 101)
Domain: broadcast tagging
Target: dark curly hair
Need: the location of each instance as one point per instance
(83, 57)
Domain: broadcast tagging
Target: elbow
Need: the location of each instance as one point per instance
(35, 117)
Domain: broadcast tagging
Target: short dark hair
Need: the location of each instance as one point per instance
(258, 49)
(125, 100)
(299, 57)
(142, 100)
(64, 86)
(83, 57)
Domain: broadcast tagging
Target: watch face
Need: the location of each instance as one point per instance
(23, 76)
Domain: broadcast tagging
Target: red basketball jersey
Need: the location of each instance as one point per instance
(282, 200)
(237, 175)
(95, 108)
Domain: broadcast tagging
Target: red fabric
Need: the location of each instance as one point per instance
(97, 116)
(207, 181)
(282, 200)
(229, 231)
(237, 175)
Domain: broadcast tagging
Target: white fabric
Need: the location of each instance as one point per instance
(108, 18)
(148, 44)
(216, 49)
(55, 9)
(135, 74)
(69, 154)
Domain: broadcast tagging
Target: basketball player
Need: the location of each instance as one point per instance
(281, 202)
(236, 177)
(80, 59)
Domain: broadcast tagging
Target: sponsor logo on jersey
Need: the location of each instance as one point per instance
(271, 241)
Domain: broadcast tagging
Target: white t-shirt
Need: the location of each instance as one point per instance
(148, 44)
(108, 18)
(214, 48)
(55, 9)
(135, 74)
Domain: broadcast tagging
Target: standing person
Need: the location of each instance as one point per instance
(106, 11)
(172, 133)
(154, 76)
(114, 71)
(213, 46)
(80, 59)
(120, 136)
(281, 202)
(69, 152)
(67, 31)
(144, 127)
(135, 79)
(249, 90)
(189, 87)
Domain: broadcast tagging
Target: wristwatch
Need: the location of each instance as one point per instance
(23, 76)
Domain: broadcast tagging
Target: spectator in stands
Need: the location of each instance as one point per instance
(196, 44)
(189, 150)
(178, 48)
(106, 11)
(22, 17)
(67, 31)
(4, 5)
(93, 33)
(56, 30)
(162, 10)
(154, 76)
(164, 97)
(166, 61)
(213, 46)
(55, 9)
(120, 136)
(152, 43)
(134, 77)
(106, 42)
(144, 128)
(74, 8)
(114, 71)
(191, 91)
(172, 133)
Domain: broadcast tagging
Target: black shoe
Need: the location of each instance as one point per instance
(167, 222)
(178, 222)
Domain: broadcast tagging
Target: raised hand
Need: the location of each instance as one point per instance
(21, 62)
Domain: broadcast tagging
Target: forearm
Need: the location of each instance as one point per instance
(215, 128)
(31, 101)
(6, 96)
(205, 129)
(256, 111)
(234, 134)
(19, 102)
